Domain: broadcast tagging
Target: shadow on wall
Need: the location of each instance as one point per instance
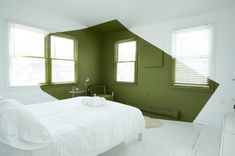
(153, 92)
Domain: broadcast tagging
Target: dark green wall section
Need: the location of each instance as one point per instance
(89, 64)
(152, 90)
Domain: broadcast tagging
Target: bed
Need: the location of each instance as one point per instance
(79, 128)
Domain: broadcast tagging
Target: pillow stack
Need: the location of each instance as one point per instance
(20, 129)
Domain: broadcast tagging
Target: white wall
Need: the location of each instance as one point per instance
(224, 60)
(10, 11)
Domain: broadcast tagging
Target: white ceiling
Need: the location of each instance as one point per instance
(130, 12)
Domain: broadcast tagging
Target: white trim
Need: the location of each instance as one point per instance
(212, 55)
(193, 28)
(26, 26)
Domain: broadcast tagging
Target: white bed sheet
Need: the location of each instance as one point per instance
(81, 130)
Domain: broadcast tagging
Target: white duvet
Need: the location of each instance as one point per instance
(82, 130)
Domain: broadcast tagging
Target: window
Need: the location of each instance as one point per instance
(62, 59)
(192, 48)
(27, 61)
(125, 61)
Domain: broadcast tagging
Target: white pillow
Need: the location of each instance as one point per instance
(94, 101)
(20, 129)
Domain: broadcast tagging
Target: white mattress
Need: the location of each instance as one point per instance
(81, 130)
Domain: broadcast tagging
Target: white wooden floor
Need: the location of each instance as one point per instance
(154, 144)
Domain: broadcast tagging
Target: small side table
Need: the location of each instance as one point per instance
(73, 92)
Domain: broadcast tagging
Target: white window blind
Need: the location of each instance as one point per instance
(63, 59)
(27, 62)
(125, 61)
(192, 49)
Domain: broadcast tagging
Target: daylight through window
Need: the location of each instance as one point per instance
(63, 59)
(192, 49)
(27, 61)
(125, 61)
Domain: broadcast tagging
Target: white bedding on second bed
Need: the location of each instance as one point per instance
(81, 130)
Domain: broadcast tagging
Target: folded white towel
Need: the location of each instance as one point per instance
(94, 101)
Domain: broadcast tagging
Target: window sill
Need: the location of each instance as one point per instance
(20, 88)
(131, 84)
(196, 88)
(58, 84)
(61, 83)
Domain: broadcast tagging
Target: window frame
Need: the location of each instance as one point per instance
(210, 86)
(49, 59)
(116, 61)
(11, 55)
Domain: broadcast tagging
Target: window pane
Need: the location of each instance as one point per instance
(27, 71)
(193, 43)
(127, 51)
(126, 72)
(192, 47)
(26, 42)
(199, 65)
(62, 48)
(186, 75)
(62, 71)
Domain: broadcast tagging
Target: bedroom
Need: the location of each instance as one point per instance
(97, 27)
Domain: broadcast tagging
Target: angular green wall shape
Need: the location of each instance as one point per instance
(151, 57)
(153, 91)
(89, 64)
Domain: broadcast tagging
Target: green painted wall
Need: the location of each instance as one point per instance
(153, 88)
(89, 63)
